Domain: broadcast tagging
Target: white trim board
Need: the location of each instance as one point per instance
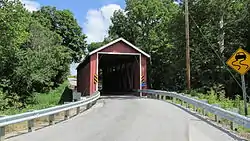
(117, 40)
(118, 53)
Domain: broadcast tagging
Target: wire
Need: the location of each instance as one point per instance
(216, 53)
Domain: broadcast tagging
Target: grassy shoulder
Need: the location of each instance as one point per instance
(229, 104)
(42, 101)
(219, 98)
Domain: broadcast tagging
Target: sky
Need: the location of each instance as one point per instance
(93, 16)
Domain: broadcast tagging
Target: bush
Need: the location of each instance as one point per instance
(40, 101)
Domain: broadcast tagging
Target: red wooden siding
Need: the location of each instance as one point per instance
(83, 79)
(85, 74)
(119, 47)
(93, 61)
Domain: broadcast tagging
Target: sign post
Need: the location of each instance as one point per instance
(244, 93)
(240, 62)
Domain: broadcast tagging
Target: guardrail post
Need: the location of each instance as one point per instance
(182, 102)
(216, 118)
(174, 100)
(195, 108)
(150, 96)
(77, 110)
(233, 125)
(187, 105)
(51, 119)
(2, 133)
(204, 113)
(66, 115)
(31, 125)
(88, 106)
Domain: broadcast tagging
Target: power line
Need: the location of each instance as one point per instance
(216, 52)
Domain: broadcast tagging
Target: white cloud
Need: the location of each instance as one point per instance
(98, 22)
(31, 5)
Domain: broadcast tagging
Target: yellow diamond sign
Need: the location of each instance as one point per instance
(240, 61)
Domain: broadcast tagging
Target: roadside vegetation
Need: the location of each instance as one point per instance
(36, 49)
(224, 102)
(217, 29)
(41, 101)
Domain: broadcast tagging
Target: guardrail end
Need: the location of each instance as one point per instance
(2, 133)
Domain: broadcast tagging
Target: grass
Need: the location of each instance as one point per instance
(223, 102)
(42, 101)
(214, 98)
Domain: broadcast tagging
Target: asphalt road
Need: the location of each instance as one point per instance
(130, 119)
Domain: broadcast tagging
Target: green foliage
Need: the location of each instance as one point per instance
(219, 98)
(41, 101)
(217, 29)
(95, 45)
(146, 24)
(35, 52)
(13, 25)
(212, 97)
(63, 23)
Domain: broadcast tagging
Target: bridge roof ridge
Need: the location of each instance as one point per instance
(117, 40)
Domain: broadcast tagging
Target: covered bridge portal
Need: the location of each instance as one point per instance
(116, 68)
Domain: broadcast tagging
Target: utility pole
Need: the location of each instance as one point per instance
(187, 46)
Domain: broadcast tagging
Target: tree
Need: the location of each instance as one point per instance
(64, 24)
(216, 32)
(14, 20)
(145, 23)
(96, 45)
(217, 29)
(41, 60)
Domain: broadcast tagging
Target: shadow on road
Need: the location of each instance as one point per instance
(119, 97)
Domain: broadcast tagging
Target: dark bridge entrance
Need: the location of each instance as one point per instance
(118, 74)
(116, 68)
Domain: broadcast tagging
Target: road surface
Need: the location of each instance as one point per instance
(129, 119)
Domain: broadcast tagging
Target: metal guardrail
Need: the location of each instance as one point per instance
(217, 111)
(30, 116)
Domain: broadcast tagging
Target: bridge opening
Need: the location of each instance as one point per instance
(118, 74)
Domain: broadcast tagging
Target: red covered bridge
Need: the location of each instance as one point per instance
(115, 68)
